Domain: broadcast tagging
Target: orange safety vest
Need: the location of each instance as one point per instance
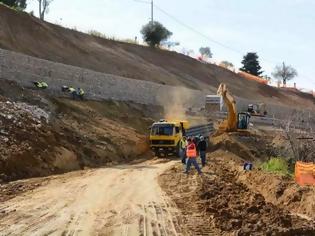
(191, 151)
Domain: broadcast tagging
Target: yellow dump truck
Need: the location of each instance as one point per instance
(165, 137)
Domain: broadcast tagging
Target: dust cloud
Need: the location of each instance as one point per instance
(175, 102)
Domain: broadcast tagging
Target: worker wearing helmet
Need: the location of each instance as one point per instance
(182, 149)
(191, 153)
(72, 92)
(40, 85)
(202, 148)
(80, 93)
(44, 85)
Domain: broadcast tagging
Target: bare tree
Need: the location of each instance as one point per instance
(43, 8)
(284, 72)
(298, 130)
(226, 64)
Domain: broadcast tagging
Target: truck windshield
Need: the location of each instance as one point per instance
(162, 130)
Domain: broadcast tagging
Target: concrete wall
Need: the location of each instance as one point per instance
(25, 69)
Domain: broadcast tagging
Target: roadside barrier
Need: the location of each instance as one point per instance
(252, 77)
(305, 173)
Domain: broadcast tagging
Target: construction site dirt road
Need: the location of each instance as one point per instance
(119, 200)
(151, 198)
(95, 174)
(118, 188)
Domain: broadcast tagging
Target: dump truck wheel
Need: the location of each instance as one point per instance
(159, 155)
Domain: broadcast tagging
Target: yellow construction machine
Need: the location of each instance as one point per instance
(258, 109)
(165, 136)
(234, 121)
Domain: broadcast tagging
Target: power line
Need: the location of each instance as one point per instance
(196, 31)
(206, 36)
(152, 10)
(202, 34)
(186, 26)
(152, 7)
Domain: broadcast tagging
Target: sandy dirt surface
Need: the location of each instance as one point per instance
(120, 200)
(219, 204)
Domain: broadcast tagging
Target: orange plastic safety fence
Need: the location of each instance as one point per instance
(305, 173)
(252, 77)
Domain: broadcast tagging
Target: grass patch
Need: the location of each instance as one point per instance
(277, 165)
(97, 34)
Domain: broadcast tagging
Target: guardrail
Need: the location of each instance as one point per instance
(271, 121)
(254, 119)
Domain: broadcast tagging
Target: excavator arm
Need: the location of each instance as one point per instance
(230, 124)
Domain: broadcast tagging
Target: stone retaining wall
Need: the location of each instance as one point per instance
(25, 69)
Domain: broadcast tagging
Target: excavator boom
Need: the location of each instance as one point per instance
(230, 124)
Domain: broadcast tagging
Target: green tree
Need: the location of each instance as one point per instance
(154, 33)
(20, 4)
(284, 72)
(251, 64)
(205, 52)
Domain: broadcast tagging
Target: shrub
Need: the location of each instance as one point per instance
(96, 33)
(277, 165)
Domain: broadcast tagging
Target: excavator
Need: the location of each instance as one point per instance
(235, 121)
(258, 109)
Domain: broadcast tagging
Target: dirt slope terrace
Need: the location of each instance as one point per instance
(23, 33)
(40, 135)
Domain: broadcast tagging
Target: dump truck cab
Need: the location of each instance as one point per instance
(165, 137)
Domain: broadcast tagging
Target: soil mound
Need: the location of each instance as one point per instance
(248, 146)
(223, 205)
(281, 191)
(226, 200)
(236, 149)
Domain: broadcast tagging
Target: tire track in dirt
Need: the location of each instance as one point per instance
(120, 200)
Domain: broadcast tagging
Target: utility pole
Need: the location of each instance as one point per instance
(152, 9)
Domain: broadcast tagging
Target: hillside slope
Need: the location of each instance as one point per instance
(23, 33)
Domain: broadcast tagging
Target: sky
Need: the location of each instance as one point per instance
(278, 30)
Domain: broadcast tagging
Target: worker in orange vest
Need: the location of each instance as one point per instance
(191, 154)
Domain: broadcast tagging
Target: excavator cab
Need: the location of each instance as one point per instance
(234, 121)
(243, 120)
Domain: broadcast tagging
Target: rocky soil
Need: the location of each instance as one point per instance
(41, 135)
